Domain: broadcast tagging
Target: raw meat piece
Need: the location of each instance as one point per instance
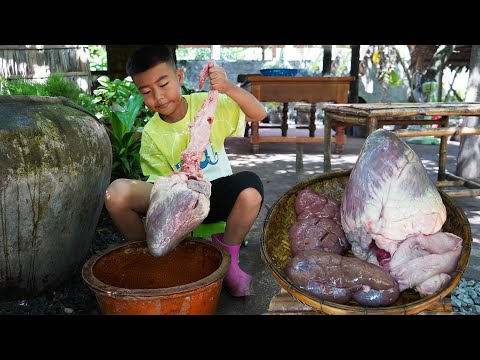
(321, 233)
(181, 201)
(311, 203)
(389, 196)
(318, 224)
(425, 262)
(177, 206)
(339, 279)
(200, 129)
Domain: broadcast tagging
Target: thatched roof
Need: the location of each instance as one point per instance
(422, 55)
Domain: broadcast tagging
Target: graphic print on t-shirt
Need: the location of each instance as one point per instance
(209, 157)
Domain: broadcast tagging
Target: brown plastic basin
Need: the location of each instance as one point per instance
(127, 280)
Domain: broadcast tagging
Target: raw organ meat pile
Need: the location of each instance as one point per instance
(391, 214)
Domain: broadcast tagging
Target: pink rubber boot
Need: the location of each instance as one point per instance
(236, 281)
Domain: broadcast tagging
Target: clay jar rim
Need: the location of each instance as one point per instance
(99, 286)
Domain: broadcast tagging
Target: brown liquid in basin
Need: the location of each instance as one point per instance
(129, 280)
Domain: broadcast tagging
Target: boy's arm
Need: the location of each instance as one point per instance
(253, 109)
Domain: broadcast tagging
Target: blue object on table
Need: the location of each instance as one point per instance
(279, 72)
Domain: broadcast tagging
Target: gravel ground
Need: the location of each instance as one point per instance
(466, 297)
(74, 298)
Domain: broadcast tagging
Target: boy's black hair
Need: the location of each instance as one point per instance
(147, 57)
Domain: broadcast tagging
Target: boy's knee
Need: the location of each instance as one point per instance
(116, 194)
(251, 195)
(254, 182)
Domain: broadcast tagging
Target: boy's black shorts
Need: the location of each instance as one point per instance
(225, 191)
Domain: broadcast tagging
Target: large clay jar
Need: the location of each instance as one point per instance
(55, 164)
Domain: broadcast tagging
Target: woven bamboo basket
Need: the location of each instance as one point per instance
(275, 250)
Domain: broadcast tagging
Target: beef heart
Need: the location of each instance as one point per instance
(177, 206)
(388, 197)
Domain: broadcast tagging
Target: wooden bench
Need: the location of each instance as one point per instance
(471, 188)
(378, 114)
(285, 304)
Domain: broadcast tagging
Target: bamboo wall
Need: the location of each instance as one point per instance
(37, 62)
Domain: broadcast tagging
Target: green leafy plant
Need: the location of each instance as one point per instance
(124, 107)
(87, 101)
(273, 105)
(98, 57)
(21, 87)
(57, 85)
(186, 90)
(125, 143)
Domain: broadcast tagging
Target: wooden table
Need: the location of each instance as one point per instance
(379, 114)
(287, 89)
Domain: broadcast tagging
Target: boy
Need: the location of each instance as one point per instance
(235, 198)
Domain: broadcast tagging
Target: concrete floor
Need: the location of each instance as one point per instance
(275, 163)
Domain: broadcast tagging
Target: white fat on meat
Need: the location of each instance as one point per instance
(425, 262)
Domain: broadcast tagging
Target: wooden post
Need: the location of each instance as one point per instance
(299, 158)
(312, 126)
(285, 119)
(327, 60)
(327, 146)
(354, 68)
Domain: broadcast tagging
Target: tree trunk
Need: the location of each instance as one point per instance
(354, 67)
(327, 60)
(117, 56)
(469, 153)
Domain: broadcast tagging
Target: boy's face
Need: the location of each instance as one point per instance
(161, 89)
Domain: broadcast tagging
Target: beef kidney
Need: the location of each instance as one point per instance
(318, 224)
(310, 203)
(321, 233)
(339, 279)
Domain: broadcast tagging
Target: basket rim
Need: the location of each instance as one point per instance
(328, 307)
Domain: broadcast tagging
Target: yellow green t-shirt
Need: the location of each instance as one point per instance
(163, 143)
